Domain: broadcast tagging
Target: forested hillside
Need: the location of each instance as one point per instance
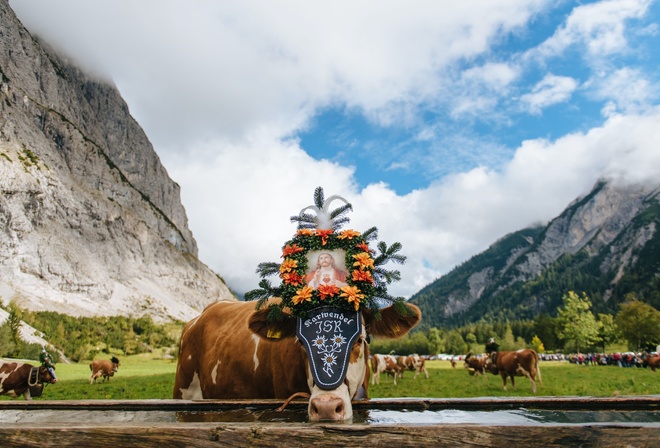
(605, 244)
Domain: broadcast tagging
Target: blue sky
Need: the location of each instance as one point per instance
(445, 124)
(489, 139)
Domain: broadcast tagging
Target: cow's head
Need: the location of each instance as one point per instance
(46, 376)
(491, 364)
(335, 403)
(115, 363)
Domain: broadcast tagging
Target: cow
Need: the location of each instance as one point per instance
(519, 363)
(653, 362)
(414, 363)
(226, 353)
(384, 364)
(476, 365)
(16, 378)
(103, 368)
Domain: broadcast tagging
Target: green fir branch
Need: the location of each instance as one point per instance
(267, 269)
(319, 197)
(340, 211)
(370, 235)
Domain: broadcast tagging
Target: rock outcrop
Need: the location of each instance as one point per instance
(90, 221)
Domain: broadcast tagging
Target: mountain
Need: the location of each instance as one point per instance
(90, 221)
(605, 244)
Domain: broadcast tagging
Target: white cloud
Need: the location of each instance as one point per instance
(550, 90)
(627, 90)
(240, 202)
(599, 27)
(221, 86)
(199, 69)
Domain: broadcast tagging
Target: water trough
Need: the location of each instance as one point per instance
(409, 422)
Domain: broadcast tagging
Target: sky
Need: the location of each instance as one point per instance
(446, 125)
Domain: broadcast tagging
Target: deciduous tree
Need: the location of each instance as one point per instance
(608, 332)
(639, 324)
(577, 323)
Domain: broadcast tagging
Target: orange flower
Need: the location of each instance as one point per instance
(348, 234)
(305, 232)
(364, 260)
(304, 293)
(353, 295)
(288, 265)
(292, 278)
(362, 276)
(364, 246)
(327, 290)
(324, 234)
(290, 250)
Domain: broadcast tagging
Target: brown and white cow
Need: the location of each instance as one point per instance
(414, 363)
(386, 364)
(15, 378)
(476, 365)
(226, 353)
(103, 368)
(519, 363)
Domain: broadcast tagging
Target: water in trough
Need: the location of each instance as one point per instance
(364, 416)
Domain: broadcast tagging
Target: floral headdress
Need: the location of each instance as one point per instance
(363, 283)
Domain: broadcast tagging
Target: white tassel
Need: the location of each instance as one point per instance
(323, 219)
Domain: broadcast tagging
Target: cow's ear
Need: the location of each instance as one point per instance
(273, 331)
(392, 323)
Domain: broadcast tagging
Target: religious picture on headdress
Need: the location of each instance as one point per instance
(326, 268)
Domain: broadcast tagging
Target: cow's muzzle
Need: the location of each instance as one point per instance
(327, 407)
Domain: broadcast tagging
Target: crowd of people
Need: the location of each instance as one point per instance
(626, 359)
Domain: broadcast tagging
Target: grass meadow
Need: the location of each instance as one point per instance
(149, 377)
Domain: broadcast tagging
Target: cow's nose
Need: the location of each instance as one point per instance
(326, 407)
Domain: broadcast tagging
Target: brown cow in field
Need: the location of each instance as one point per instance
(653, 362)
(384, 364)
(17, 377)
(519, 363)
(227, 353)
(476, 365)
(103, 368)
(414, 363)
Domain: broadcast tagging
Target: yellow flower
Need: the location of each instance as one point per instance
(288, 264)
(348, 234)
(353, 295)
(364, 260)
(304, 293)
(306, 232)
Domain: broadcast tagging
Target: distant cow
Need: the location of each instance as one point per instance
(519, 363)
(232, 351)
(653, 362)
(414, 363)
(386, 364)
(16, 378)
(103, 368)
(476, 365)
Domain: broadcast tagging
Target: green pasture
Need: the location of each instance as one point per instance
(559, 379)
(147, 377)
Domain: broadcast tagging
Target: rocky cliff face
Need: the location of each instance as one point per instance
(605, 244)
(90, 222)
